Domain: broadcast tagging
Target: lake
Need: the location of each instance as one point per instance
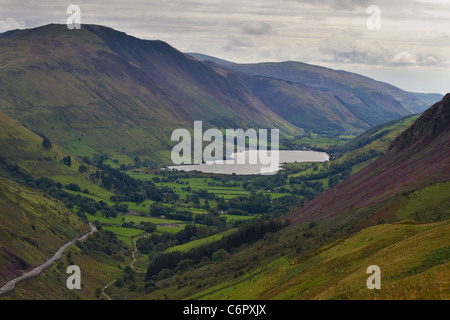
(231, 166)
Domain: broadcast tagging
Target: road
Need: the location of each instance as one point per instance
(9, 286)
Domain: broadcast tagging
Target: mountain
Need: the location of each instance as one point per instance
(428, 98)
(100, 91)
(321, 99)
(418, 158)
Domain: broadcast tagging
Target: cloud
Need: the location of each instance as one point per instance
(337, 4)
(409, 58)
(351, 47)
(258, 28)
(238, 43)
(405, 57)
(11, 24)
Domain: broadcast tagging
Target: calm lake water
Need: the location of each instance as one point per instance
(231, 166)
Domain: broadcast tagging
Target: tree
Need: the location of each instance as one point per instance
(73, 187)
(150, 227)
(119, 283)
(67, 161)
(220, 255)
(184, 265)
(82, 168)
(157, 209)
(46, 144)
(97, 292)
(128, 274)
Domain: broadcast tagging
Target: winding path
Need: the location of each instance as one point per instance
(8, 288)
(133, 255)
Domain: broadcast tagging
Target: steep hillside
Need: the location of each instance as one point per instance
(32, 228)
(417, 158)
(414, 260)
(97, 90)
(23, 158)
(324, 100)
(306, 107)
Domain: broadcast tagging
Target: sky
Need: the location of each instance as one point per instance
(404, 42)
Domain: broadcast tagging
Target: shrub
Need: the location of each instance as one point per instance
(220, 255)
(46, 144)
(73, 187)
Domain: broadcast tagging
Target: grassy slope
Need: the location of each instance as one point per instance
(23, 148)
(338, 270)
(388, 132)
(51, 285)
(32, 228)
(195, 243)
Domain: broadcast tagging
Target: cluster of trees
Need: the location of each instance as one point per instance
(158, 209)
(103, 245)
(258, 203)
(246, 234)
(253, 204)
(265, 182)
(127, 188)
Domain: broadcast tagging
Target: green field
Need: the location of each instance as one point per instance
(192, 244)
(231, 217)
(129, 218)
(195, 184)
(124, 234)
(170, 229)
(320, 141)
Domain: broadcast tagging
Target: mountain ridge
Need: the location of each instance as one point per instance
(364, 101)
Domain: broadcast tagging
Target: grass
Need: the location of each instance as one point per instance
(32, 228)
(130, 218)
(125, 234)
(193, 244)
(320, 141)
(93, 189)
(170, 229)
(51, 284)
(338, 270)
(231, 217)
(427, 203)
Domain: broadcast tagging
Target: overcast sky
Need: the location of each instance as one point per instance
(411, 49)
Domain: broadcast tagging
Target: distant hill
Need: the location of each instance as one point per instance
(428, 98)
(323, 100)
